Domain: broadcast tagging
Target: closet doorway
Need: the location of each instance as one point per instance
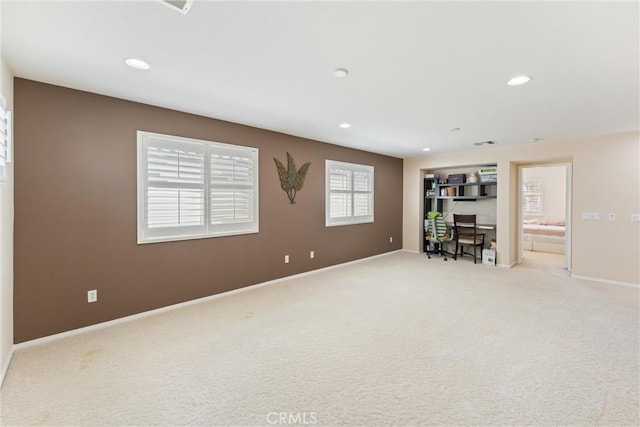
(545, 215)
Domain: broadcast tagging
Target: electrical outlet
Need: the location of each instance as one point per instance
(92, 296)
(286, 259)
(611, 217)
(390, 239)
(635, 217)
(590, 216)
(312, 254)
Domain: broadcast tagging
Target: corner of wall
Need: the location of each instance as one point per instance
(6, 239)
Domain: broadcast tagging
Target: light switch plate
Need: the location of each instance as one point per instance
(635, 217)
(590, 216)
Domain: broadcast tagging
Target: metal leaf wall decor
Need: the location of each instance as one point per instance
(291, 180)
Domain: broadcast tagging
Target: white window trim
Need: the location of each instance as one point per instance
(197, 232)
(352, 167)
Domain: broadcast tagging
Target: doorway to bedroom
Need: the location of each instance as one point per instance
(544, 226)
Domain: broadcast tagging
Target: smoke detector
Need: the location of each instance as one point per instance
(180, 5)
(484, 143)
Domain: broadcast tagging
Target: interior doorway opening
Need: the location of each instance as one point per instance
(545, 215)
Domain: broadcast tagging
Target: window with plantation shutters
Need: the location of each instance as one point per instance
(189, 189)
(5, 121)
(532, 198)
(349, 193)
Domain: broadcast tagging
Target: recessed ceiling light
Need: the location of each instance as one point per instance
(454, 129)
(345, 125)
(136, 63)
(518, 80)
(340, 72)
(426, 149)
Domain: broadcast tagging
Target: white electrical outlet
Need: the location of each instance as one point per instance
(390, 239)
(635, 217)
(286, 259)
(312, 254)
(611, 217)
(92, 296)
(590, 216)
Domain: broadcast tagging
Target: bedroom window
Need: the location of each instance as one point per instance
(191, 189)
(531, 198)
(349, 193)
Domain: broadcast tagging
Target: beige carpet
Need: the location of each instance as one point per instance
(395, 340)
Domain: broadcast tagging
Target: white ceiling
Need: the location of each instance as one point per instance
(417, 69)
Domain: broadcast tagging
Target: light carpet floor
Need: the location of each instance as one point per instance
(394, 340)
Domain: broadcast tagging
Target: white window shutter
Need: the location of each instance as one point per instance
(233, 188)
(349, 193)
(362, 194)
(340, 199)
(175, 179)
(4, 139)
(192, 189)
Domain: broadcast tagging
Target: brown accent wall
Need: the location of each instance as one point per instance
(75, 213)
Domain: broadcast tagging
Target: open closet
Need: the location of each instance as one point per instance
(470, 191)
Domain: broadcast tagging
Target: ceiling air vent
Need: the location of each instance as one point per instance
(180, 5)
(484, 143)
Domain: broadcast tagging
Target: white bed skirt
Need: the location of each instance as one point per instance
(539, 243)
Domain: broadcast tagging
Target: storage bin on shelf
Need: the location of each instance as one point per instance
(488, 174)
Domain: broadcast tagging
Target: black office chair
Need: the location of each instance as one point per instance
(466, 233)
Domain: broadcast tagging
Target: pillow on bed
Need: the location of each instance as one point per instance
(559, 222)
(531, 221)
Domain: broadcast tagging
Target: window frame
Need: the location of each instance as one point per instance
(206, 229)
(352, 168)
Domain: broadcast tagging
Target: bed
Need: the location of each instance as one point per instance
(543, 235)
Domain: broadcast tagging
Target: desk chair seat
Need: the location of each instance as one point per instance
(466, 234)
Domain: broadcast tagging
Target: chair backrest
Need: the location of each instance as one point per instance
(437, 228)
(465, 225)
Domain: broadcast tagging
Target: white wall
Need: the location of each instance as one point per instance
(552, 187)
(6, 237)
(606, 179)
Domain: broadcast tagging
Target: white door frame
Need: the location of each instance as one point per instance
(568, 204)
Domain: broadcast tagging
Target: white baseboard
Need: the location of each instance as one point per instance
(507, 265)
(411, 251)
(610, 282)
(5, 368)
(102, 325)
